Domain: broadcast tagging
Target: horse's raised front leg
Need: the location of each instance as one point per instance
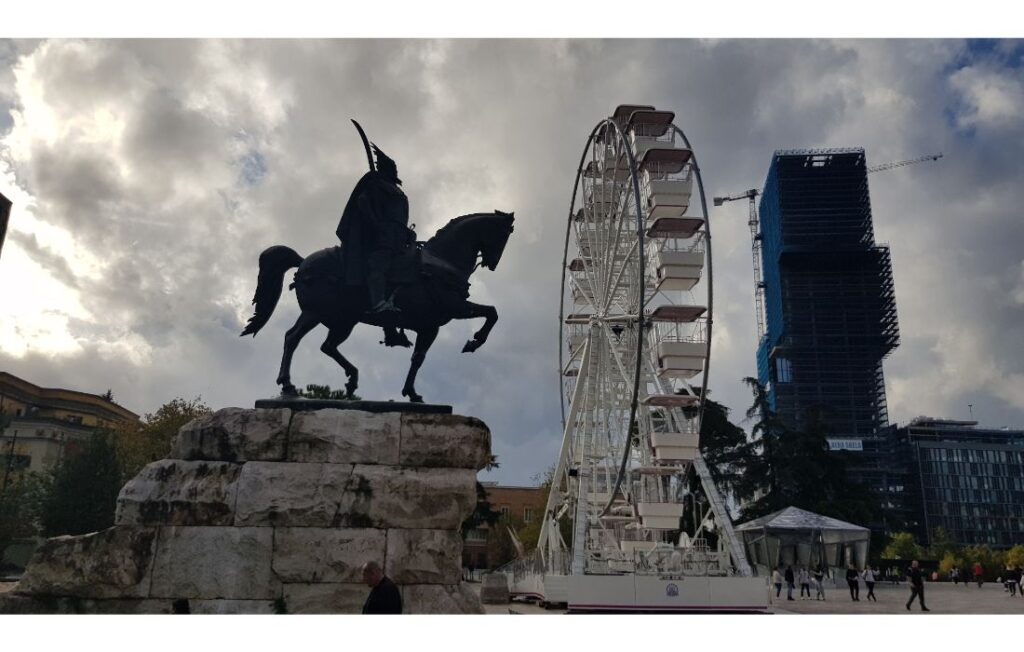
(305, 323)
(470, 310)
(424, 339)
(330, 347)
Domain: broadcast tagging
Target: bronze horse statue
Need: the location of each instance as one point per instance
(434, 290)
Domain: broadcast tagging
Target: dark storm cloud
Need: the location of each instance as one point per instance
(174, 163)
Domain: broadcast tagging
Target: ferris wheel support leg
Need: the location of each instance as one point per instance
(736, 550)
(563, 454)
(579, 535)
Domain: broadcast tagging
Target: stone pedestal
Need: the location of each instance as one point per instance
(275, 511)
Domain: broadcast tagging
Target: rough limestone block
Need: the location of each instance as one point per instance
(325, 598)
(230, 563)
(112, 563)
(344, 437)
(234, 435)
(179, 492)
(439, 599)
(288, 494)
(231, 607)
(310, 554)
(444, 440)
(392, 497)
(23, 605)
(52, 605)
(424, 556)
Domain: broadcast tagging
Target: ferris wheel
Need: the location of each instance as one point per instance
(635, 343)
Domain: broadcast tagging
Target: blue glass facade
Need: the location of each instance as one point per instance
(951, 474)
(829, 302)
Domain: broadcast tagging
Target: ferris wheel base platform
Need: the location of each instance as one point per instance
(650, 593)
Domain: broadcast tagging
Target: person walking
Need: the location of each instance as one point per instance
(979, 573)
(777, 581)
(384, 597)
(804, 578)
(851, 581)
(954, 575)
(869, 581)
(789, 582)
(1012, 580)
(916, 578)
(819, 582)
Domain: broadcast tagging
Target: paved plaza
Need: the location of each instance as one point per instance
(941, 598)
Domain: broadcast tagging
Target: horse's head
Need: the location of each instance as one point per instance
(495, 239)
(466, 238)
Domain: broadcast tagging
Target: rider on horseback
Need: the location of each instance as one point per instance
(374, 228)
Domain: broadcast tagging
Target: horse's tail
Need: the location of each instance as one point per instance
(274, 262)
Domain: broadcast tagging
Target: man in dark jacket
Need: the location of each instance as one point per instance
(916, 585)
(790, 582)
(853, 582)
(384, 598)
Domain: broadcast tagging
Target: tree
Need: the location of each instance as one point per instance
(482, 512)
(721, 443)
(902, 545)
(1015, 556)
(948, 562)
(108, 395)
(84, 489)
(139, 444)
(20, 507)
(941, 544)
(781, 467)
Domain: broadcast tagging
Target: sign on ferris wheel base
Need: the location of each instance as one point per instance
(645, 592)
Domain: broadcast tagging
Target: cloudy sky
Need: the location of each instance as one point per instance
(147, 176)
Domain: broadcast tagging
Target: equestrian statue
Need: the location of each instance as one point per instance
(380, 275)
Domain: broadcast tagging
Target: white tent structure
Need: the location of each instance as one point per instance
(801, 538)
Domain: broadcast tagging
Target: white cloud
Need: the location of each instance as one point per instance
(134, 241)
(992, 98)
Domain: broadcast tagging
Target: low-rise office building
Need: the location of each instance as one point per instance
(950, 474)
(44, 423)
(520, 507)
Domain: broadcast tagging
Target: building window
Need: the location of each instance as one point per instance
(527, 514)
(783, 370)
(477, 535)
(505, 511)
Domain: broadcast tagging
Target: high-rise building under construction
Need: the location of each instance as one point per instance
(830, 309)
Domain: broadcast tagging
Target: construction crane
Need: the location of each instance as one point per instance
(899, 164)
(755, 239)
(755, 235)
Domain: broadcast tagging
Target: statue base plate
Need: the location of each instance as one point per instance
(307, 404)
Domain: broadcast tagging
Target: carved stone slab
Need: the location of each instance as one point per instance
(306, 404)
(232, 563)
(424, 556)
(314, 555)
(325, 598)
(345, 437)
